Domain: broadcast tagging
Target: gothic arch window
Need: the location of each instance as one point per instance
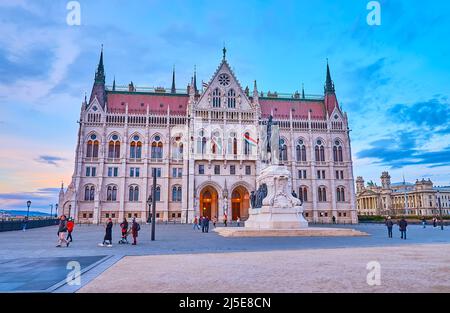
(340, 194)
(216, 98)
(231, 99)
(337, 152)
(157, 148)
(111, 193)
(133, 194)
(114, 147)
(322, 194)
(303, 193)
(232, 144)
(300, 150)
(89, 193)
(176, 193)
(319, 150)
(135, 148)
(177, 148)
(92, 147)
(216, 143)
(283, 150)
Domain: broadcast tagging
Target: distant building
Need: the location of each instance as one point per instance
(420, 198)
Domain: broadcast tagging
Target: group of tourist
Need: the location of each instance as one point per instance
(66, 226)
(202, 222)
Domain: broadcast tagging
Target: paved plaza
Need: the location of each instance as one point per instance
(29, 261)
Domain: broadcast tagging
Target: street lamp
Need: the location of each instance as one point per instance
(51, 210)
(56, 209)
(70, 208)
(440, 209)
(28, 210)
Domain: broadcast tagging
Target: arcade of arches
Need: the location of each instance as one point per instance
(240, 203)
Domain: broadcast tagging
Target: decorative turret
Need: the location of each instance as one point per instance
(114, 84)
(98, 90)
(359, 184)
(173, 89)
(330, 95)
(195, 80)
(255, 92)
(385, 180)
(303, 91)
(61, 196)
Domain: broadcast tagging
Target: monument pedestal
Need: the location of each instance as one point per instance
(279, 210)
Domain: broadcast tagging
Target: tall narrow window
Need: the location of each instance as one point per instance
(89, 193)
(283, 151)
(322, 194)
(176, 193)
(92, 147)
(133, 195)
(303, 193)
(231, 99)
(319, 150)
(157, 193)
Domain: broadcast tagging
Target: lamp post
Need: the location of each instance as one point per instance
(56, 209)
(70, 208)
(51, 210)
(28, 210)
(440, 209)
(153, 204)
(149, 203)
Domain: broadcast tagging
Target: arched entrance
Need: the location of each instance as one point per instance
(240, 202)
(209, 200)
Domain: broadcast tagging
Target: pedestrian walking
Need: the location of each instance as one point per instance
(402, 226)
(70, 226)
(206, 223)
(62, 229)
(389, 225)
(334, 219)
(434, 221)
(214, 221)
(107, 240)
(195, 222)
(238, 221)
(135, 228)
(424, 222)
(225, 219)
(24, 224)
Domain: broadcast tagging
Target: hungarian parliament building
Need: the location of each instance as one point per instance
(202, 144)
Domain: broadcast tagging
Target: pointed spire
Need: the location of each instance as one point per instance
(100, 73)
(173, 89)
(195, 79)
(303, 91)
(329, 85)
(85, 98)
(114, 84)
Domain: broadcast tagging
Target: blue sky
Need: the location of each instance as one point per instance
(393, 79)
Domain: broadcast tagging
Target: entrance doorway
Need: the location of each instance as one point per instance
(240, 202)
(209, 202)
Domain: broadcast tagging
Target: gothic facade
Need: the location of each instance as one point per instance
(203, 145)
(421, 198)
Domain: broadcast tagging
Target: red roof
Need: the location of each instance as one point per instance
(138, 102)
(281, 108)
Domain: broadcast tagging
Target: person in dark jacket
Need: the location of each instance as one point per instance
(389, 225)
(424, 222)
(206, 223)
(108, 233)
(124, 231)
(135, 227)
(402, 226)
(62, 229)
